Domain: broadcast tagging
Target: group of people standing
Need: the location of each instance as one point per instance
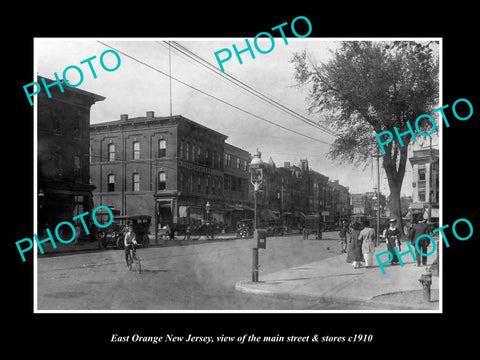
(362, 242)
(361, 245)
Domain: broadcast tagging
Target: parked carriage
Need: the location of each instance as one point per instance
(115, 233)
(312, 225)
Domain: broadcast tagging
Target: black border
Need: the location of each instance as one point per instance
(91, 333)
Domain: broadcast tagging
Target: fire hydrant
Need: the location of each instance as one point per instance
(426, 281)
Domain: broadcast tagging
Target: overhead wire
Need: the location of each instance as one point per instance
(212, 96)
(197, 58)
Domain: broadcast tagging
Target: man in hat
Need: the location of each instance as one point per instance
(392, 235)
(343, 237)
(418, 229)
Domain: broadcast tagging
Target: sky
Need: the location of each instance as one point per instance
(136, 88)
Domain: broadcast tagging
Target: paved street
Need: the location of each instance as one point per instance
(199, 276)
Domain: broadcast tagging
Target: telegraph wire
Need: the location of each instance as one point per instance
(212, 96)
(245, 86)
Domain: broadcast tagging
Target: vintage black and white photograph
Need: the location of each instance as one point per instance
(269, 174)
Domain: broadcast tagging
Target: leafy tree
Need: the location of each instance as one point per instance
(369, 87)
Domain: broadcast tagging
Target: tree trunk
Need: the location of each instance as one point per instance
(395, 204)
(395, 180)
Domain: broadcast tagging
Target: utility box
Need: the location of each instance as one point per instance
(260, 238)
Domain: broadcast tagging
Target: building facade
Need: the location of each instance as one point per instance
(426, 181)
(63, 175)
(237, 189)
(169, 168)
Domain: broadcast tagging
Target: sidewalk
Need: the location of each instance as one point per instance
(335, 280)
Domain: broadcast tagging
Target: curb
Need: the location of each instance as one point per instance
(245, 287)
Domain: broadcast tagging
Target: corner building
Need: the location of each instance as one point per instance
(63, 172)
(166, 167)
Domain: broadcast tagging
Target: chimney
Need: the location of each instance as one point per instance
(150, 114)
(124, 117)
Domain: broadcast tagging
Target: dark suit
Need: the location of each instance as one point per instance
(415, 232)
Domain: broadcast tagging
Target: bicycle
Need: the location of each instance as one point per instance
(134, 259)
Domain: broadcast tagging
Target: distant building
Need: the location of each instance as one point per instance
(64, 188)
(426, 176)
(236, 185)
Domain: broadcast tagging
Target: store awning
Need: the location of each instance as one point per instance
(268, 215)
(238, 207)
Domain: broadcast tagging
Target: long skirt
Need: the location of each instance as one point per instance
(390, 245)
(368, 259)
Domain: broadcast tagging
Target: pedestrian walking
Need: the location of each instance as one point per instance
(343, 237)
(368, 239)
(392, 234)
(418, 229)
(354, 254)
(78, 233)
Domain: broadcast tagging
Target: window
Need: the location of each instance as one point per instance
(162, 148)
(226, 182)
(136, 150)
(76, 168)
(111, 152)
(228, 160)
(238, 163)
(136, 182)
(187, 149)
(162, 180)
(207, 183)
(199, 184)
(199, 153)
(194, 152)
(207, 157)
(111, 183)
(182, 181)
(421, 174)
(190, 183)
(421, 195)
(182, 150)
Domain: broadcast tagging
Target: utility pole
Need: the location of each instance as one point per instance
(378, 196)
(431, 180)
(170, 73)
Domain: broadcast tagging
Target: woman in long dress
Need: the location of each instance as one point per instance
(393, 239)
(354, 254)
(367, 236)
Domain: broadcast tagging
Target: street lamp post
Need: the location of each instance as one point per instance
(207, 211)
(256, 178)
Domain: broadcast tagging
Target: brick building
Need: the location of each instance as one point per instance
(63, 174)
(166, 167)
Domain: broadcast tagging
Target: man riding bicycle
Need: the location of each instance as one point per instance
(129, 242)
